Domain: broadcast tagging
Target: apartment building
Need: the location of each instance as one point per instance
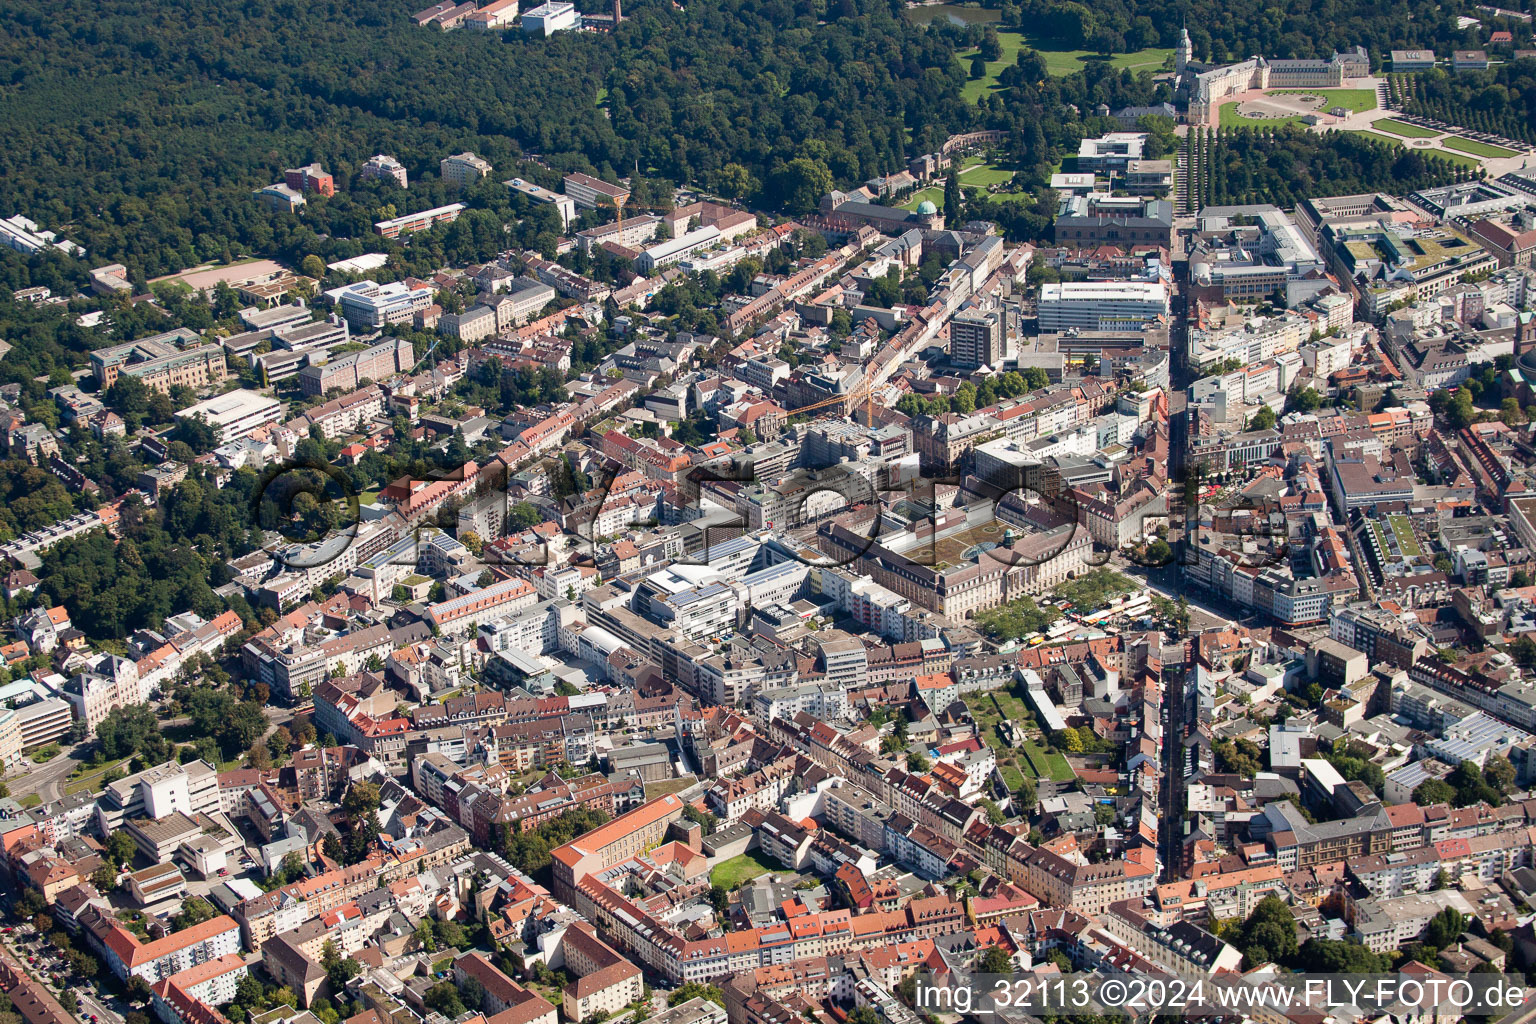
(341, 416)
(383, 168)
(464, 168)
(129, 957)
(622, 838)
(605, 982)
(977, 339)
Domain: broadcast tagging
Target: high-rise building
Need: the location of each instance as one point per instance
(386, 167)
(463, 169)
(976, 340)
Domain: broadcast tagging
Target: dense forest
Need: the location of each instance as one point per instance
(140, 130)
(1225, 32)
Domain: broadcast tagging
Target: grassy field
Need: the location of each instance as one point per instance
(1053, 766)
(1353, 100)
(1057, 62)
(1064, 62)
(1012, 777)
(1377, 136)
(985, 713)
(1476, 148)
(985, 174)
(934, 195)
(1403, 128)
(975, 173)
(730, 873)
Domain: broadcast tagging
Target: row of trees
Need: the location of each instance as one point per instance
(1286, 164)
(1501, 99)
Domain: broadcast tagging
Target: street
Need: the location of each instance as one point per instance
(24, 942)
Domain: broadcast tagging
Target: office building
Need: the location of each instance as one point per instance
(589, 193)
(349, 372)
(235, 414)
(279, 198)
(1110, 152)
(412, 222)
(549, 18)
(564, 205)
(368, 306)
(666, 253)
(1101, 305)
(161, 362)
(1101, 218)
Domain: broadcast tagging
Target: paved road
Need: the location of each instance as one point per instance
(47, 780)
(25, 942)
(1166, 581)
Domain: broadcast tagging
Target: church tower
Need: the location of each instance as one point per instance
(1184, 52)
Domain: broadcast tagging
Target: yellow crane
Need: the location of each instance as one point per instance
(864, 391)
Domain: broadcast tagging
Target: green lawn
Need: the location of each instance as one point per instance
(1403, 128)
(985, 713)
(1353, 100)
(1376, 136)
(1476, 148)
(985, 174)
(935, 195)
(1405, 539)
(666, 786)
(974, 172)
(1064, 62)
(91, 780)
(1057, 62)
(730, 873)
(1053, 766)
(1012, 777)
(974, 89)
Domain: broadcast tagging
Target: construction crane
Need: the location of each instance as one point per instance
(864, 391)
